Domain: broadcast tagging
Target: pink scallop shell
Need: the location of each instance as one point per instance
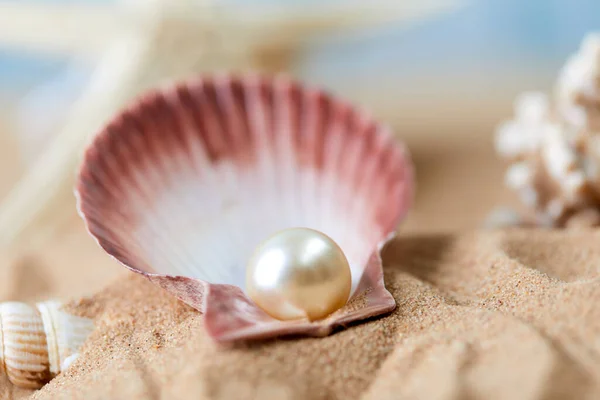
(182, 185)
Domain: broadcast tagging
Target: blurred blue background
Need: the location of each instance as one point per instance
(444, 83)
(450, 76)
(484, 34)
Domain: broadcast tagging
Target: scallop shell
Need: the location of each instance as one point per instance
(182, 186)
(36, 340)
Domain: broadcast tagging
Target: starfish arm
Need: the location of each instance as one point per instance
(296, 25)
(68, 29)
(59, 28)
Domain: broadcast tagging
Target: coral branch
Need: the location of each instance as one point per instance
(554, 147)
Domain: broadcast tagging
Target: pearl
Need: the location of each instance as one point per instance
(298, 273)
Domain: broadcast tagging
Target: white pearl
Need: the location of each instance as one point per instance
(298, 273)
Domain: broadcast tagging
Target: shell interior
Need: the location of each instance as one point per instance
(188, 183)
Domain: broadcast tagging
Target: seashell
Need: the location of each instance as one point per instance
(182, 186)
(36, 340)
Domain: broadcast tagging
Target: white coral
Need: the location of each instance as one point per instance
(523, 135)
(578, 85)
(555, 148)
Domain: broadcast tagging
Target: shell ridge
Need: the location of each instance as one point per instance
(349, 169)
(363, 170)
(264, 128)
(408, 188)
(165, 169)
(316, 109)
(237, 131)
(296, 108)
(130, 175)
(194, 100)
(265, 118)
(228, 131)
(399, 188)
(104, 177)
(95, 177)
(219, 175)
(282, 140)
(132, 139)
(148, 123)
(186, 104)
(133, 155)
(175, 126)
(238, 100)
(200, 160)
(212, 119)
(335, 226)
(307, 195)
(153, 244)
(117, 168)
(378, 187)
(366, 173)
(180, 100)
(263, 175)
(115, 242)
(215, 134)
(328, 178)
(231, 120)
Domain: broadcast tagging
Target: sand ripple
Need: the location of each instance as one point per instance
(482, 315)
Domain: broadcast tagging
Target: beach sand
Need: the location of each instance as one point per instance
(511, 314)
(482, 315)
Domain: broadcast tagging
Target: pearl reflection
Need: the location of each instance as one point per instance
(314, 248)
(269, 268)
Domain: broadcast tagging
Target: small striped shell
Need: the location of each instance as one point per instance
(38, 341)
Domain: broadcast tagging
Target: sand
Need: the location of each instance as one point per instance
(481, 315)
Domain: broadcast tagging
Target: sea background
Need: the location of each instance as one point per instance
(448, 78)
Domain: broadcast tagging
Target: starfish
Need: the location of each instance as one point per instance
(137, 44)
